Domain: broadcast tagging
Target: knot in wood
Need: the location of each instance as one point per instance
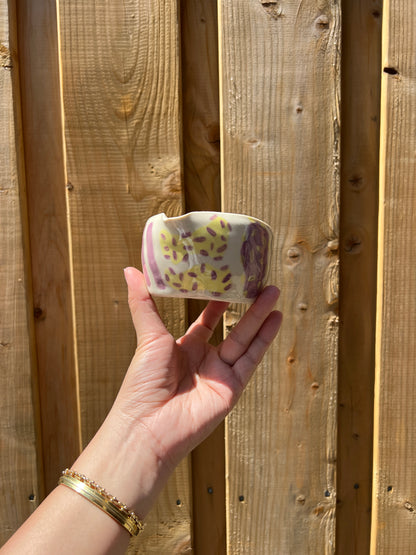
(409, 506)
(322, 22)
(231, 318)
(356, 182)
(6, 60)
(293, 255)
(38, 313)
(318, 510)
(333, 245)
(272, 8)
(353, 243)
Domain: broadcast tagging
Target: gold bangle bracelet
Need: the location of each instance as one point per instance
(102, 499)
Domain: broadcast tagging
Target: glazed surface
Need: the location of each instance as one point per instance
(206, 255)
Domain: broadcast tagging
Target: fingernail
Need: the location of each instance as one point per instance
(126, 272)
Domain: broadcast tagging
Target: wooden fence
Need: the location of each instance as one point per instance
(114, 111)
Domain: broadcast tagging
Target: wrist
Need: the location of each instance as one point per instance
(122, 459)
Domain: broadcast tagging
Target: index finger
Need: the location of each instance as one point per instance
(241, 336)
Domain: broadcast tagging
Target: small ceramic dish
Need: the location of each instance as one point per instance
(206, 255)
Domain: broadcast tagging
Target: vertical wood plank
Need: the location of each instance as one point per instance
(394, 495)
(201, 154)
(360, 109)
(280, 161)
(120, 77)
(50, 261)
(20, 488)
(201, 126)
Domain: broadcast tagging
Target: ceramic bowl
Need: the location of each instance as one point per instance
(206, 255)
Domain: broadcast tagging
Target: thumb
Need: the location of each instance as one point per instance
(143, 310)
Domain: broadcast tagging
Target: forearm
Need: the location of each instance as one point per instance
(120, 460)
(172, 397)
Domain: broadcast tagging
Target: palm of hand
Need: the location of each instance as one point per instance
(180, 390)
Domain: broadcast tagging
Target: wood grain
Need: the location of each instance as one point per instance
(201, 125)
(20, 484)
(300, 438)
(394, 495)
(120, 77)
(360, 109)
(201, 155)
(280, 162)
(49, 245)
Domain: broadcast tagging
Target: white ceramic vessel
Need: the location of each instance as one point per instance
(206, 255)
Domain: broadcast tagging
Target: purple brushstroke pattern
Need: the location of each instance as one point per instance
(151, 258)
(254, 252)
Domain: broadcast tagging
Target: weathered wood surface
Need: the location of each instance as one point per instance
(120, 76)
(360, 109)
(20, 487)
(201, 126)
(280, 162)
(394, 499)
(118, 160)
(48, 233)
(201, 155)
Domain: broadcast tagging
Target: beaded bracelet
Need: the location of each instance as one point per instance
(102, 499)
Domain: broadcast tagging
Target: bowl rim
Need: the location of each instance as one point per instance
(213, 212)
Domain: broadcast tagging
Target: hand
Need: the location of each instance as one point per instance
(179, 391)
(173, 396)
